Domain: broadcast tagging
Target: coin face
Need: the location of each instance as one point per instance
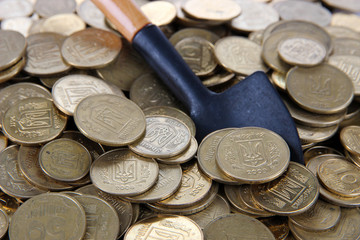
(49, 215)
(88, 11)
(110, 119)
(159, 12)
(316, 134)
(191, 32)
(122, 172)
(15, 8)
(165, 137)
(12, 48)
(65, 24)
(349, 139)
(187, 155)
(253, 155)
(33, 121)
(48, 8)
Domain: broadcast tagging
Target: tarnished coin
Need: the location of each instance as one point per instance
(279, 80)
(235, 225)
(15, 8)
(293, 193)
(321, 217)
(102, 221)
(43, 54)
(12, 71)
(65, 24)
(346, 46)
(165, 226)
(349, 137)
(278, 225)
(12, 47)
(9, 204)
(165, 137)
(193, 32)
(18, 24)
(239, 54)
(89, 12)
(159, 12)
(244, 194)
(219, 78)
(3, 141)
(50, 216)
(48, 8)
(122, 172)
(110, 119)
(320, 89)
(316, 134)
(33, 121)
(342, 31)
(184, 156)
(65, 160)
(319, 150)
(253, 155)
(69, 90)
(4, 223)
(91, 48)
(89, 189)
(168, 182)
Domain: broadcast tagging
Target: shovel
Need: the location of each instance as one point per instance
(251, 102)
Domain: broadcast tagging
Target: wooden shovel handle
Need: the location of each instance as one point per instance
(125, 15)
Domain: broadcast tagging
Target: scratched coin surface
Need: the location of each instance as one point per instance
(253, 155)
(102, 221)
(69, 90)
(12, 48)
(165, 137)
(49, 216)
(65, 160)
(91, 48)
(33, 120)
(15, 8)
(294, 192)
(350, 139)
(48, 8)
(110, 119)
(4, 223)
(122, 172)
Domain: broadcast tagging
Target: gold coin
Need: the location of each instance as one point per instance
(102, 220)
(185, 156)
(159, 12)
(50, 216)
(4, 223)
(161, 226)
(234, 225)
(65, 24)
(48, 8)
(244, 194)
(342, 31)
(253, 155)
(193, 32)
(344, 19)
(15, 8)
(110, 119)
(12, 48)
(217, 79)
(293, 193)
(124, 173)
(65, 160)
(257, 36)
(320, 89)
(346, 46)
(319, 150)
(165, 137)
(12, 71)
(240, 55)
(316, 134)
(44, 56)
(9, 204)
(33, 121)
(349, 139)
(322, 216)
(279, 80)
(91, 48)
(278, 225)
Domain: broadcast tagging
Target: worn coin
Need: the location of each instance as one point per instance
(349, 137)
(319, 150)
(351, 6)
(12, 71)
(244, 194)
(4, 223)
(9, 204)
(185, 156)
(89, 189)
(278, 225)
(315, 134)
(12, 48)
(159, 12)
(279, 80)
(218, 79)
(3, 141)
(193, 32)
(48, 8)
(18, 24)
(342, 31)
(89, 12)
(50, 216)
(346, 46)
(344, 19)
(15, 8)
(65, 24)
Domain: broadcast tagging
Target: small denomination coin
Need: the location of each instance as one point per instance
(122, 172)
(193, 32)
(293, 193)
(349, 137)
(278, 225)
(344, 19)
(3, 141)
(65, 24)
(65, 160)
(165, 137)
(4, 223)
(18, 24)
(91, 48)
(218, 79)
(234, 225)
(69, 90)
(102, 221)
(239, 54)
(342, 31)
(346, 46)
(89, 189)
(15, 8)
(88, 11)
(49, 215)
(316, 134)
(12, 48)
(48, 8)
(9, 204)
(253, 155)
(110, 119)
(33, 121)
(159, 12)
(12, 71)
(319, 150)
(321, 217)
(184, 156)
(169, 226)
(320, 89)
(43, 54)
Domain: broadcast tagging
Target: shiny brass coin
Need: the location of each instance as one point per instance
(9, 204)
(215, 10)
(4, 223)
(344, 19)
(194, 187)
(18, 24)
(319, 150)
(159, 12)
(49, 215)
(320, 89)
(9, 73)
(28, 162)
(110, 119)
(193, 32)
(3, 141)
(345, 229)
(305, 145)
(218, 79)
(91, 48)
(342, 31)
(48, 8)
(102, 221)
(69, 90)
(244, 194)
(349, 137)
(353, 158)
(122, 172)
(15, 8)
(12, 47)
(198, 53)
(340, 176)
(239, 55)
(278, 226)
(90, 13)
(293, 193)
(33, 121)
(346, 46)
(234, 225)
(279, 80)
(65, 160)
(269, 162)
(160, 226)
(322, 216)
(44, 56)
(65, 24)
(316, 134)
(187, 155)
(165, 137)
